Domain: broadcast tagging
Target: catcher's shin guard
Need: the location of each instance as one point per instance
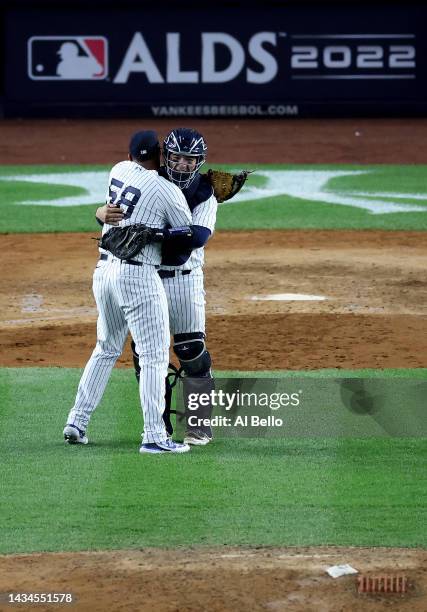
(193, 356)
(196, 363)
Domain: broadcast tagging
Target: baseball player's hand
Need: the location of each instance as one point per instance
(110, 214)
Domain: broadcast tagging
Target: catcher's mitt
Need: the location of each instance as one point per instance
(126, 242)
(225, 184)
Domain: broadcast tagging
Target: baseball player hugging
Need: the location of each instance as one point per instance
(181, 271)
(130, 296)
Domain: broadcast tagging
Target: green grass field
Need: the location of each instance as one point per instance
(282, 491)
(354, 491)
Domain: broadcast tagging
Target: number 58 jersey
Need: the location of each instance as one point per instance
(146, 198)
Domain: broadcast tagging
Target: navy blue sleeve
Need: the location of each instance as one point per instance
(177, 250)
(200, 236)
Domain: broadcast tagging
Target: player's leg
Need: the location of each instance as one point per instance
(186, 299)
(147, 315)
(171, 375)
(186, 303)
(111, 334)
(195, 360)
(168, 388)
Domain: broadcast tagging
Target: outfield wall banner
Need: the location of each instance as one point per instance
(287, 61)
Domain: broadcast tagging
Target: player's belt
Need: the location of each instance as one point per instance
(132, 262)
(172, 273)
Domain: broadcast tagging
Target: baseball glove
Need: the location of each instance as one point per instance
(126, 242)
(225, 184)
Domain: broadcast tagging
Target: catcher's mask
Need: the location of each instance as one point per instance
(183, 143)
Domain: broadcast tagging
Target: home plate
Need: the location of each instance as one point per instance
(289, 297)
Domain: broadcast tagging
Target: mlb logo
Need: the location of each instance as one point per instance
(66, 58)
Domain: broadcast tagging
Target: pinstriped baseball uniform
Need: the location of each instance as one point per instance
(185, 293)
(131, 297)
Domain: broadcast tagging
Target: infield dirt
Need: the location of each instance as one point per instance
(374, 314)
(217, 580)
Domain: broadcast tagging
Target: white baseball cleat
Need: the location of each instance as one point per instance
(74, 435)
(168, 446)
(196, 438)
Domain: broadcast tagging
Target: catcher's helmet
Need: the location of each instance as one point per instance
(188, 143)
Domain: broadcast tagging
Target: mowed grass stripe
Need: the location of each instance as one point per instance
(51, 493)
(235, 491)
